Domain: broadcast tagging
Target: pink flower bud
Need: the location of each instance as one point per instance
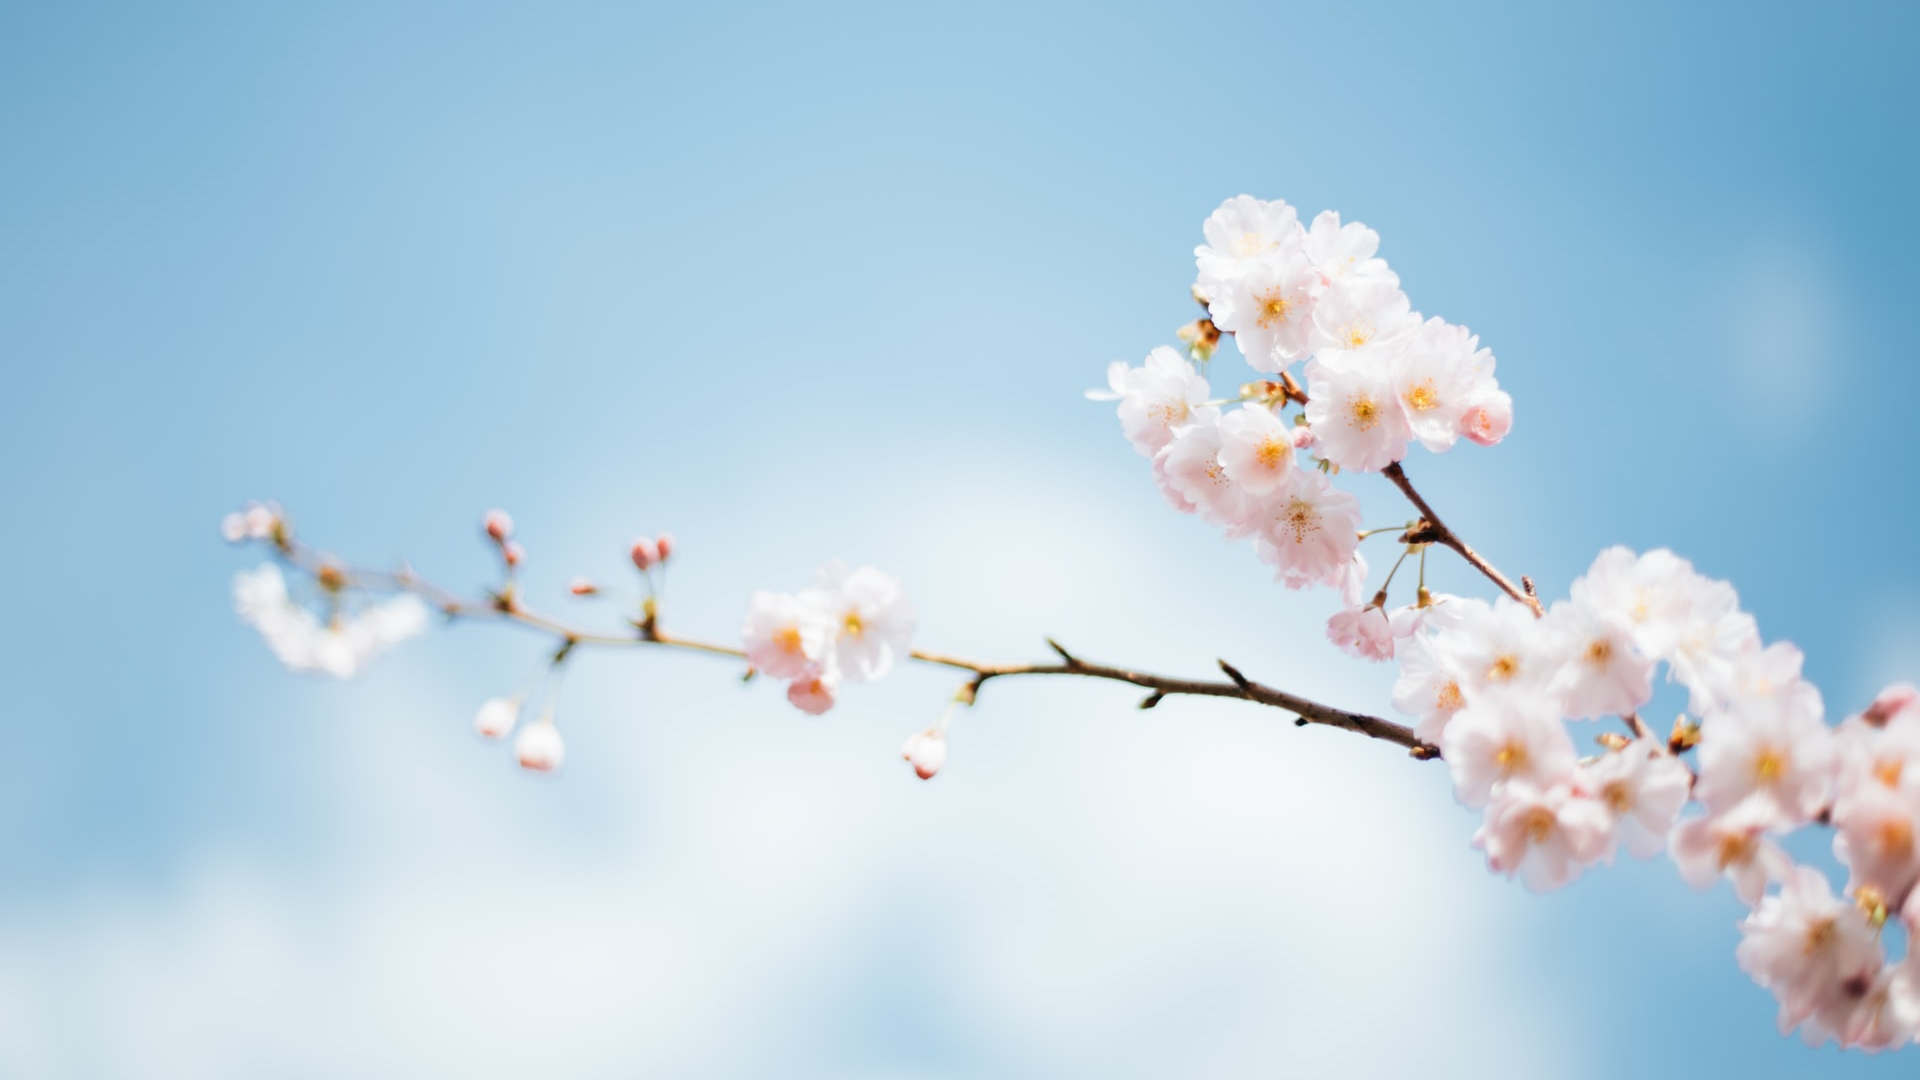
(499, 526)
(1302, 437)
(813, 692)
(1488, 422)
(513, 553)
(665, 544)
(540, 747)
(497, 717)
(1889, 703)
(260, 521)
(582, 587)
(926, 751)
(645, 552)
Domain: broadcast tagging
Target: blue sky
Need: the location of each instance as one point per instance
(827, 282)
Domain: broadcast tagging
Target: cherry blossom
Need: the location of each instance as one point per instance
(1345, 252)
(786, 634)
(1733, 845)
(1774, 750)
(1811, 948)
(1268, 307)
(1429, 687)
(1600, 672)
(813, 690)
(1875, 838)
(1160, 395)
(1361, 314)
(1643, 788)
(1308, 532)
(871, 621)
(1363, 632)
(340, 646)
(1355, 411)
(1505, 735)
(1256, 450)
(1191, 470)
(1244, 230)
(1545, 835)
(1435, 377)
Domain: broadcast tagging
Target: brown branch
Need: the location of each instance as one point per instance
(506, 605)
(1432, 530)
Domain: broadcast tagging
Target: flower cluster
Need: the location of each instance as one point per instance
(1378, 378)
(1494, 687)
(850, 627)
(338, 645)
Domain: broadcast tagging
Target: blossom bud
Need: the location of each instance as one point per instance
(926, 751)
(233, 527)
(1201, 337)
(331, 577)
(582, 587)
(540, 747)
(645, 552)
(1488, 422)
(499, 526)
(813, 692)
(260, 521)
(1889, 703)
(513, 552)
(497, 717)
(1302, 438)
(665, 543)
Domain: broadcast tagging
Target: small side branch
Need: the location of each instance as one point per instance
(1434, 531)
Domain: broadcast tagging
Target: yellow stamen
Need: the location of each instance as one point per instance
(1504, 668)
(1769, 766)
(1362, 412)
(1422, 397)
(1301, 519)
(1273, 307)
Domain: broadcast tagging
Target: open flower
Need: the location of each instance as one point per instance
(1544, 835)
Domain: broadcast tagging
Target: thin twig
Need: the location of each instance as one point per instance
(1433, 530)
(506, 605)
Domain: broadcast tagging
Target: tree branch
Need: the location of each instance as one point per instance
(1434, 531)
(506, 605)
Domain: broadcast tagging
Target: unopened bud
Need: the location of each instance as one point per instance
(331, 577)
(1686, 734)
(582, 587)
(1198, 296)
(1302, 437)
(1201, 337)
(1873, 904)
(497, 717)
(665, 543)
(513, 553)
(926, 751)
(499, 525)
(233, 527)
(645, 552)
(1890, 702)
(813, 692)
(1613, 740)
(539, 747)
(261, 521)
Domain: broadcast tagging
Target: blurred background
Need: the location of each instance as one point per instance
(800, 283)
